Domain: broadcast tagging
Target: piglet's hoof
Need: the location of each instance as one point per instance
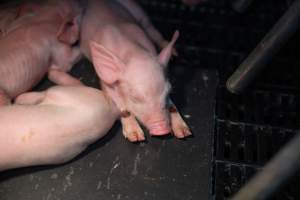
(179, 127)
(131, 128)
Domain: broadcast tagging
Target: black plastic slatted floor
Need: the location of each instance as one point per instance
(252, 127)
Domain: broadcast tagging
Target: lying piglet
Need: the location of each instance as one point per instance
(53, 126)
(37, 42)
(115, 38)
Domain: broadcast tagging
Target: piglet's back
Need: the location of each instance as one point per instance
(98, 16)
(24, 60)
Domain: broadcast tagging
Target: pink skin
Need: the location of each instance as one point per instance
(41, 38)
(66, 14)
(131, 71)
(53, 126)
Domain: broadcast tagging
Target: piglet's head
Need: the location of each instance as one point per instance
(71, 14)
(139, 86)
(66, 14)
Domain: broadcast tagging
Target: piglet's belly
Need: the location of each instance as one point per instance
(15, 83)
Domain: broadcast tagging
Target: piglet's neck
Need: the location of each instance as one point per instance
(112, 94)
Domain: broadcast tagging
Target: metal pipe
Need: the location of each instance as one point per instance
(275, 174)
(266, 49)
(241, 5)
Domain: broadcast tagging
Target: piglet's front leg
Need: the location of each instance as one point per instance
(131, 128)
(179, 127)
(30, 98)
(134, 133)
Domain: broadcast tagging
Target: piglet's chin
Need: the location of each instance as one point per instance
(159, 129)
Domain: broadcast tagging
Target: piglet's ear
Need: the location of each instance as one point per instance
(166, 53)
(69, 30)
(107, 65)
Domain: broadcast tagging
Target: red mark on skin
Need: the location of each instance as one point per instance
(173, 109)
(125, 114)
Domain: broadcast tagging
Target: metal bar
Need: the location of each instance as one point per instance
(241, 5)
(285, 164)
(266, 49)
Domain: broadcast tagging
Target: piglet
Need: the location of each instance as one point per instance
(118, 37)
(38, 41)
(53, 126)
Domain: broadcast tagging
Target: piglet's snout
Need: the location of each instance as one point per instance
(159, 128)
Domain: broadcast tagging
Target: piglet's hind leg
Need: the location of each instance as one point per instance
(30, 98)
(141, 17)
(62, 78)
